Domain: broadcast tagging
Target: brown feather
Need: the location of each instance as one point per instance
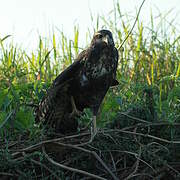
(87, 80)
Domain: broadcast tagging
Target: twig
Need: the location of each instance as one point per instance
(136, 165)
(134, 154)
(95, 155)
(135, 118)
(151, 124)
(145, 135)
(158, 144)
(113, 162)
(176, 171)
(148, 165)
(142, 174)
(70, 168)
(108, 135)
(105, 166)
(132, 26)
(38, 145)
(8, 174)
(45, 167)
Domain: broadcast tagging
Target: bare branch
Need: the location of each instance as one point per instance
(70, 168)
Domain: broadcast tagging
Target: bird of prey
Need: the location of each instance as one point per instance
(83, 84)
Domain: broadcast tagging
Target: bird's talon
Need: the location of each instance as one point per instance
(75, 113)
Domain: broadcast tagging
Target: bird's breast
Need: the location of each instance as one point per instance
(83, 80)
(103, 67)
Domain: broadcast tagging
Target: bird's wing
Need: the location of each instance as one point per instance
(54, 107)
(70, 71)
(56, 104)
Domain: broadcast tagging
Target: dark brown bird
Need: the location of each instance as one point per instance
(83, 84)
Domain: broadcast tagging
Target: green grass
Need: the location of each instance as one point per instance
(148, 61)
(150, 58)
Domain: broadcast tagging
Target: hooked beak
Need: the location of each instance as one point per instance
(108, 40)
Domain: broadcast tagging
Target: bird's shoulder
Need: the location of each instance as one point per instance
(71, 71)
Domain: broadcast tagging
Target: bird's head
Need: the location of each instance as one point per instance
(103, 37)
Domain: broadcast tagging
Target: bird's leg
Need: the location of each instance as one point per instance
(93, 128)
(75, 111)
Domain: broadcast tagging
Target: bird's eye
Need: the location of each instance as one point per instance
(100, 36)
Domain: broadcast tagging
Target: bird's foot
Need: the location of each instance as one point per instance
(75, 112)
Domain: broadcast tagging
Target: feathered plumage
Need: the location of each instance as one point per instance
(82, 85)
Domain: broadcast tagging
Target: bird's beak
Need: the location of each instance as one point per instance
(107, 40)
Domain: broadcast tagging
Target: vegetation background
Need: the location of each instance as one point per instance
(149, 89)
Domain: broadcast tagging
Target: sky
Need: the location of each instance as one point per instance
(25, 20)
